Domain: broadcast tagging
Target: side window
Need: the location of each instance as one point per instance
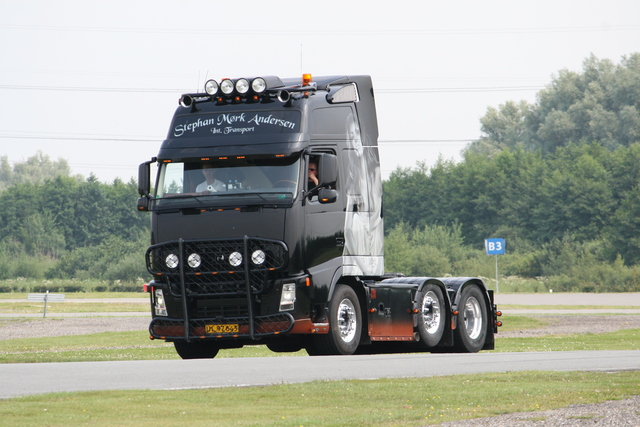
(321, 176)
(312, 173)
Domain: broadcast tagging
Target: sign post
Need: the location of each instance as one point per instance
(495, 247)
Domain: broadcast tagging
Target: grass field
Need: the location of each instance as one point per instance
(18, 308)
(81, 295)
(385, 402)
(137, 346)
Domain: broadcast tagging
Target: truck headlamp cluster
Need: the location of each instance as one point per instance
(258, 257)
(288, 296)
(240, 86)
(194, 260)
(226, 87)
(248, 89)
(160, 306)
(235, 259)
(172, 260)
(259, 85)
(211, 87)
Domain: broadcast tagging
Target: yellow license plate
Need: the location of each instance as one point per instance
(232, 328)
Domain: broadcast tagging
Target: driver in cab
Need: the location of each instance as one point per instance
(210, 184)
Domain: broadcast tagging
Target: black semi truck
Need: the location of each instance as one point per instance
(267, 228)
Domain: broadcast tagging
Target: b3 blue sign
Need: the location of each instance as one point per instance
(495, 246)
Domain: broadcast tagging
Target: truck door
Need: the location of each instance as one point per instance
(324, 227)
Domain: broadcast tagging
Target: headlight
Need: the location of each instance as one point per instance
(194, 260)
(226, 86)
(242, 86)
(235, 259)
(288, 296)
(171, 261)
(211, 87)
(259, 85)
(160, 306)
(258, 257)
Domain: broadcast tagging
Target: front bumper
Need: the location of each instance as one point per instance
(238, 327)
(217, 284)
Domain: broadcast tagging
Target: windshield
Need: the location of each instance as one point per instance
(237, 181)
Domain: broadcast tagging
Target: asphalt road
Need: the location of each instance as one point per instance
(27, 379)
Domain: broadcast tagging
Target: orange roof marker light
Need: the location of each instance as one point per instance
(306, 79)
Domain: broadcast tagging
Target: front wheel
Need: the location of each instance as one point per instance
(285, 347)
(345, 325)
(431, 318)
(471, 330)
(196, 349)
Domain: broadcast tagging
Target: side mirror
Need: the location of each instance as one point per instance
(327, 195)
(327, 170)
(144, 177)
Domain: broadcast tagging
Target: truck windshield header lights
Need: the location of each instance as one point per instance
(211, 87)
(250, 89)
(242, 86)
(259, 85)
(227, 87)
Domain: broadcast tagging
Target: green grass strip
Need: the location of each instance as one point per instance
(566, 307)
(80, 295)
(68, 306)
(137, 346)
(385, 402)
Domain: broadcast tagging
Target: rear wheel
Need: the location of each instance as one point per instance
(431, 319)
(345, 325)
(196, 349)
(471, 330)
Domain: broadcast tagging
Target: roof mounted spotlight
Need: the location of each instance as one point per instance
(242, 86)
(259, 85)
(211, 87)
(227, 86)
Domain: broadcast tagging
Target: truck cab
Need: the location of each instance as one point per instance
(266, 223)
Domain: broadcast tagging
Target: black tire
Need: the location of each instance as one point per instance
(285, 347)
(345, 325)
(471, 330)
(196, 349)
(432, 317)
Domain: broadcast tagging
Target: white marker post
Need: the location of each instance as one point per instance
(495, 247)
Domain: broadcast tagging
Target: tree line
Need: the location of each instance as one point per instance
(62, 226)
(559, 179)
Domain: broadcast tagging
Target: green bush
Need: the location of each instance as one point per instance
(114, 259)
(32, 267)
(614, 277)
(125, 287)
(128, 269)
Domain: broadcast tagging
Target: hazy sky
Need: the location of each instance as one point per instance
(96, 83)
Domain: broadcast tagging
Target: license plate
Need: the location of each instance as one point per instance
(232, 328)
